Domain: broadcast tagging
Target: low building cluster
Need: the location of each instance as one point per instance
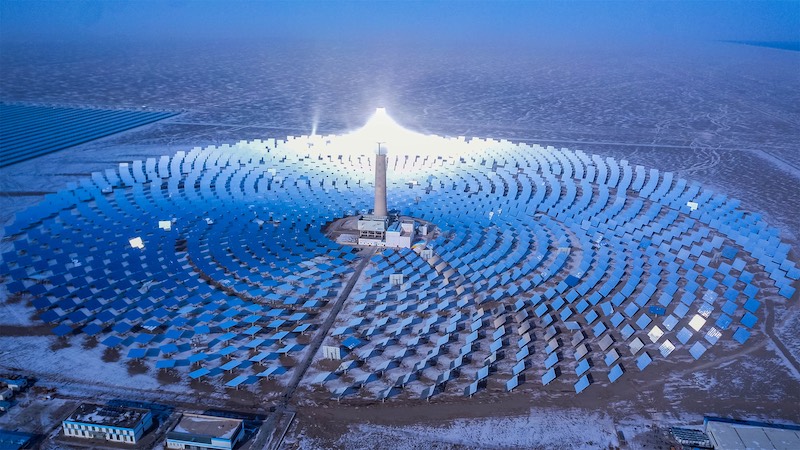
(377, 231)
(9, 387)
(128, 425)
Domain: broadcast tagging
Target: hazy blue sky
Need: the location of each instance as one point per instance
(503, 21)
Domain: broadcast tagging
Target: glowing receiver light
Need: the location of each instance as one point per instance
(382, 128)
(380, 131)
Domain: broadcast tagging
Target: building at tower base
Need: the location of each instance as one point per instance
(375, 231)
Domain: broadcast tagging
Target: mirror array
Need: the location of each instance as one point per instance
(229, 272)
(30, 131)
(551, 264)
(547, 265)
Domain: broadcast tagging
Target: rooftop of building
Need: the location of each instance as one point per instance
(372, 223)
(107, 415)
(405, 227)
(739, 434)
(212, 426)
(373, 217)
(13, 440)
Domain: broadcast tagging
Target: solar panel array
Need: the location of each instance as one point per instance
(29, 131)
(238, 275)
(549, 265)
(553, 264)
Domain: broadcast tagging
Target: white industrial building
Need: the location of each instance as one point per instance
(109, 423)
(6, 394)
(400, 234)
(201, 432)
(372, 230)
(380, 232)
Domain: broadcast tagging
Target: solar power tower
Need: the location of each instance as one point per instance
(380, 181)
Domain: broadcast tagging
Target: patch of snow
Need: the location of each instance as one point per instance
(74, 363)
(567, 429)
(17, 313)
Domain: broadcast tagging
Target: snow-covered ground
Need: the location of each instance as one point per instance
(16, 313)
(33, 355)
(540, 429)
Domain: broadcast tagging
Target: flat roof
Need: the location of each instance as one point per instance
(371, 218)
(211, 426)
(13, 440)
(108, 415)
(371, 223)
(744, 436)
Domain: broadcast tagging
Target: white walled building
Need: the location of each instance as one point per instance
(372, 230)
(6, 394)
(200, 432)
(109, 423)
(378, 232)
(400, 234)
